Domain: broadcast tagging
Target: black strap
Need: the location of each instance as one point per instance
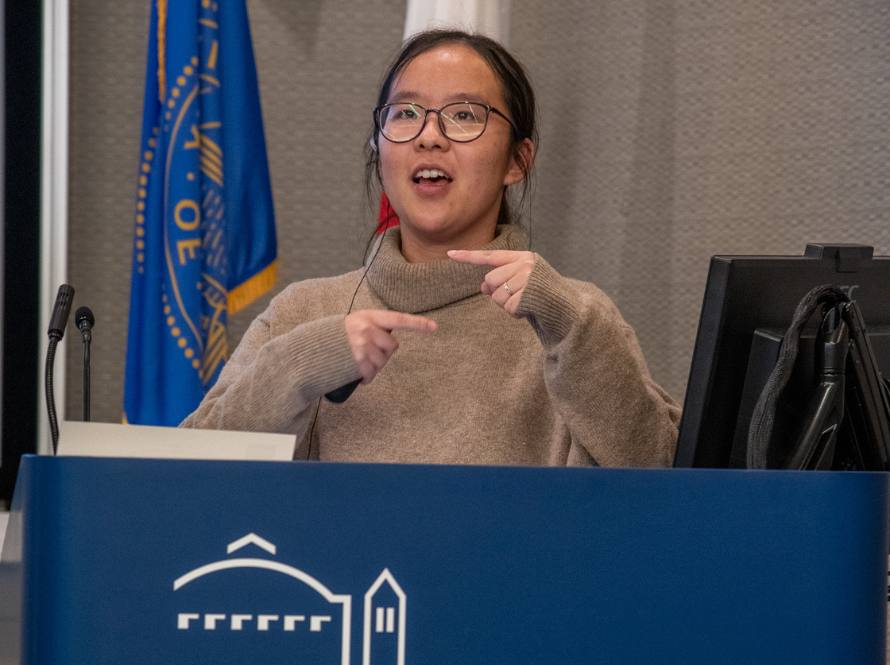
(764, 416)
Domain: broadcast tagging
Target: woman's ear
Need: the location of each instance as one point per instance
(520, 162)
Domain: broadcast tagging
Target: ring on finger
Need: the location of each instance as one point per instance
(507, 288)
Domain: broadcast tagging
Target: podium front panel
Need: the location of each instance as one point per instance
(136, 561)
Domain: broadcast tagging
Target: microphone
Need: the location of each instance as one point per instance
(57, 324)
(59, 318)
(341, 394)
(85, 320)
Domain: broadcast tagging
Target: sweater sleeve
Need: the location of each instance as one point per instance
(596, 374)
(281, 366)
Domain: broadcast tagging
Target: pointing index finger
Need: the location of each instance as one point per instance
(483, 257)
(400, 321)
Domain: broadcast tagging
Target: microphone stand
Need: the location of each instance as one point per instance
(85, 320)
(86, 379)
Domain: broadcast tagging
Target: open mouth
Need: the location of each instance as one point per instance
(431, 176)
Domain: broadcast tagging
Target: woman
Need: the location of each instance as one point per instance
(470, 349)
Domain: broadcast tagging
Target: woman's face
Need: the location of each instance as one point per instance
(459, 211)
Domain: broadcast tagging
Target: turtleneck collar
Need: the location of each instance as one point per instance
(421, 287)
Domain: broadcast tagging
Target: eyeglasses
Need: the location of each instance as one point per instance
(459, 121)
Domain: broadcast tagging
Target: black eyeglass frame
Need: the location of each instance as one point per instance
(489, 109)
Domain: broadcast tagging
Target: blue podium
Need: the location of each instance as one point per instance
(190, 562)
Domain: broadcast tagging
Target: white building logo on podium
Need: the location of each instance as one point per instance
(383, 637)
(384, 619)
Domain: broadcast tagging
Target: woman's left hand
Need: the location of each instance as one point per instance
(509, 278)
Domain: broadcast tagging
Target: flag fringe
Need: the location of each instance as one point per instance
(162, 49)
(248, 291)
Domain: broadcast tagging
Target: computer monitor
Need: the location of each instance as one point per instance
(749, 302)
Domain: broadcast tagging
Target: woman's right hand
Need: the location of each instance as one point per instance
(369, 332)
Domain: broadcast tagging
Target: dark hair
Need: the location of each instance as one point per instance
(515, 86)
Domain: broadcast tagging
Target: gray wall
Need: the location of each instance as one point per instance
(675, 130)
(671, 130)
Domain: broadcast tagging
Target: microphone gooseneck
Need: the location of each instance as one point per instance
(85, 321)
(57, 323)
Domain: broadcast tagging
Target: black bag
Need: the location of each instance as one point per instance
(846, 424)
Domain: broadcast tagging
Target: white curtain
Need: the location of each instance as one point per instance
(489, 17)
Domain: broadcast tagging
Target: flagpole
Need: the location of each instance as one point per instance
(53, 197)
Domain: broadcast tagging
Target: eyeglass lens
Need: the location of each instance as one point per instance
(460, 121)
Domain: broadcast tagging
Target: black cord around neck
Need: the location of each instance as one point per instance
(378, 236)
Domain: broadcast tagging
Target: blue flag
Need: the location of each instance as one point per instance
(204, 243)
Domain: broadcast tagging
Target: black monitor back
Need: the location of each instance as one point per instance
(749, 293)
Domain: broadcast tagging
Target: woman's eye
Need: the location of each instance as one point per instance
(406, 114)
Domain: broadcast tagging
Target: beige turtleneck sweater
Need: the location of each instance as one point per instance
(566, 385)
